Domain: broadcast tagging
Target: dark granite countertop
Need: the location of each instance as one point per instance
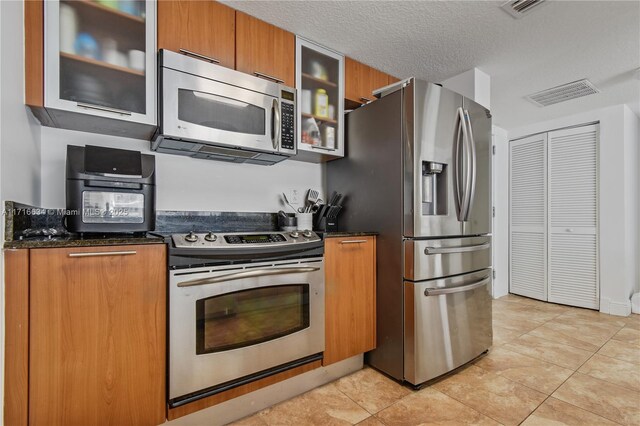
(344, 234)
(84, 241)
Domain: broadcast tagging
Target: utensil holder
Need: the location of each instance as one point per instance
(305, 221)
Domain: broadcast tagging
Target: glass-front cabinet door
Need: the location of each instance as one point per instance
(100, 58)
(320, 83)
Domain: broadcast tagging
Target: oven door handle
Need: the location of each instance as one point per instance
(248, 274)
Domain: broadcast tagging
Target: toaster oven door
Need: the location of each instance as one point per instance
(199, 109)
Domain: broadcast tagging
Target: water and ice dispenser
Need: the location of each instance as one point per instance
(434, 188)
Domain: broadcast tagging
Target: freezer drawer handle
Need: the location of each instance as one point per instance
(460, 289)
(248, 274)
(458, 249)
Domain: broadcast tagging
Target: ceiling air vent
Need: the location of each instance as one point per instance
(519, 8)
(565, 92)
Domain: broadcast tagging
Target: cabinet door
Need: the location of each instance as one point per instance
(265, 50)
(573, 217)
(393, 79)
(350, 298)
(201, 27)
(528, 218)
(100, 60)
(97, 336)
(361, 80)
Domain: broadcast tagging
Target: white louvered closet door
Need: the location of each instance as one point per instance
(573, 217)
(528, 226)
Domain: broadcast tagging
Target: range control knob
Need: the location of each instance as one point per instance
(294, 234)
(307, 234)
(191, 237)
(211, 237)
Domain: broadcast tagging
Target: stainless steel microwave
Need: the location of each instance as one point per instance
(212, 112)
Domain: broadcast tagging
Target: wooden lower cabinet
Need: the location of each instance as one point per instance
(350, 297)
(97, 318)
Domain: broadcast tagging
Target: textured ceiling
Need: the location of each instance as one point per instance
(559, 42)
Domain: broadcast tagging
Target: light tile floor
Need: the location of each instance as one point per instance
(550, 364)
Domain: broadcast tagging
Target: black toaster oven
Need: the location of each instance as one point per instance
(109, 190)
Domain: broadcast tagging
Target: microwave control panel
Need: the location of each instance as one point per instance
(287, 140)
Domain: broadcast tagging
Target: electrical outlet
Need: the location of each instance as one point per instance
(294, 196)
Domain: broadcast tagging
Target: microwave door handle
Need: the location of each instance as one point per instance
(471, 177)
(248, 274)
(275, 124)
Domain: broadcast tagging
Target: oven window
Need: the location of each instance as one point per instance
(221, 113)
(247, 317)
(112, 207)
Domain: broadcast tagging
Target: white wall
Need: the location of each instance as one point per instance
(632, 190)
(500, 172)
(20, 133)
(185, 183)
(617, 213)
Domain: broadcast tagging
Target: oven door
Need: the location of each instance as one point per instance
(226, 323)
(203, 110)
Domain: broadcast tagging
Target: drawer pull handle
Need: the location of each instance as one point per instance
(103, 108)
(199, 56)
(458, 249)
(353, 241)
(268, 77)
(366, 100)
(459, 289)
(103, 253)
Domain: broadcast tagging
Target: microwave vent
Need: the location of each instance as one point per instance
(226, 152)
(565, 92)
(519, 8)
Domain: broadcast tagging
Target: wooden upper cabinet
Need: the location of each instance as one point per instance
(202, 27)
(350, 297)
(265, 50)
(97, 335)
(361, 80)
(393, 79)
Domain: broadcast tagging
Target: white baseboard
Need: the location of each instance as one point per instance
(622, 309)
(243, 406)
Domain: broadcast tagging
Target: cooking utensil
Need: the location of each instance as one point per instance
(286, 200)
(312, 198)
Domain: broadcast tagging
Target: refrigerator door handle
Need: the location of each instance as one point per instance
(459, 289)
(457, 249)
(466, 162)
(471, 168)
(458, 174)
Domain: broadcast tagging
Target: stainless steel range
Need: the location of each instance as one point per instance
(242, 306)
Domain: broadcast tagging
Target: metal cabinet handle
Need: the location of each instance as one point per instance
(248, 274)
(457, 249)
(199, 56)
(353, 241)
(268, 77)
(103, 108)
(103, 253)
(366, 99)
(459, 289)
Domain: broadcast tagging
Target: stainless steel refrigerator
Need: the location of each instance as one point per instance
(418, 171)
